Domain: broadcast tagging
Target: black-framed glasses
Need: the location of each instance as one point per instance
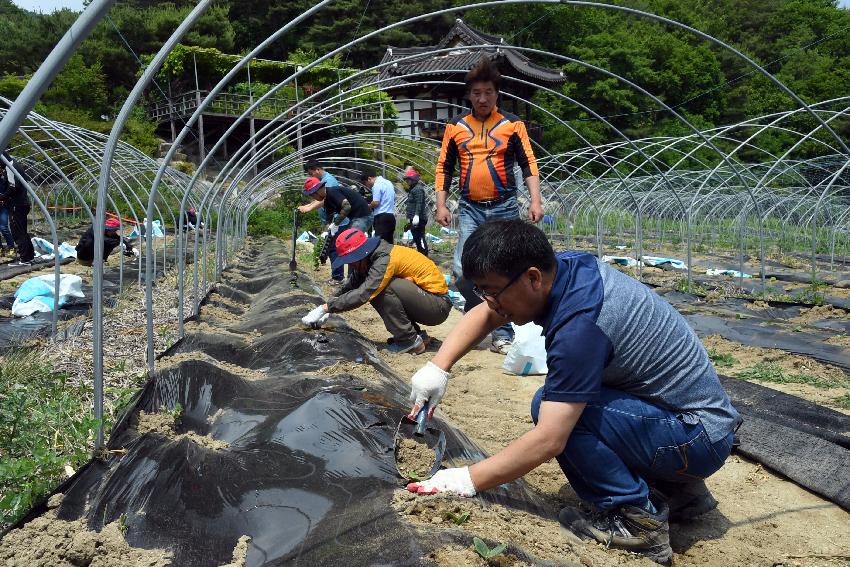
(494, 297)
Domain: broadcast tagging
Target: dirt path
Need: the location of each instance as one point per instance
(761, 519)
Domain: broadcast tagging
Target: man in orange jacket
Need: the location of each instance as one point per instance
(487, 143)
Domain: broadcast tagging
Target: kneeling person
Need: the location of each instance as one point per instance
(405, 288)
(631, 408)
(111, 240)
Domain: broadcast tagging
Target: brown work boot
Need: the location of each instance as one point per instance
(687, 501)
(628, 527)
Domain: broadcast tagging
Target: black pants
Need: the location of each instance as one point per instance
(418, 233)
(385, 226)
(18, 224)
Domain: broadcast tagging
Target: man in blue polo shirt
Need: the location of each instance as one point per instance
(632, 408)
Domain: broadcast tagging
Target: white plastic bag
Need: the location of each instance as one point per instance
(527, 354)
(44, 249)
(38, 293)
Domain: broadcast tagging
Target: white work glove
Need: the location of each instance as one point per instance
(316, 318)
(324, 234)
(191, 226)
(136, 252)
(332, 228)
(427, 385)
(415, 221)
(456, 480)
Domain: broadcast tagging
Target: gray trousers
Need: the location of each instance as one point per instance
(403, 305)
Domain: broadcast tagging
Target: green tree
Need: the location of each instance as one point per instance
(79, 86)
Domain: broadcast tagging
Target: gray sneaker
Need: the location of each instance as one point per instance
(687, 501)
(416, 346)
(629, 528)
(501, 345)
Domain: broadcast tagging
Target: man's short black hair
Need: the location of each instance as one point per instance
(506, 248)
(483, 72)
(367, 173)
(312, 164)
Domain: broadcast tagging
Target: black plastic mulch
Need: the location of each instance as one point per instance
(806, 442)
(309, 473)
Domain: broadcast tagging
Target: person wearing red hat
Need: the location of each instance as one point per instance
(338, 203)
(190, 219)
(405, 288)
(111, 240)
(417, 211)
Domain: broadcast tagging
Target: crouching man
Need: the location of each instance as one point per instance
(405, 288)
(111, 240)
(631, 408)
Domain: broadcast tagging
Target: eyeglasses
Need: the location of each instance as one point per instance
(494, 297)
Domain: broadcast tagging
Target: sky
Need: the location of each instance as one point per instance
(47, 6)
(52, 5)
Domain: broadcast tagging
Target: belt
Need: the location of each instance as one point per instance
(492, 202)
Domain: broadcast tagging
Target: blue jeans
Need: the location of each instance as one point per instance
(5, 231)
(622, 442)
(470, 216)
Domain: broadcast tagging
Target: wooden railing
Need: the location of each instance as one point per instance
(231, 104)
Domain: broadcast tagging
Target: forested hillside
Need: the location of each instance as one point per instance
(805, 43)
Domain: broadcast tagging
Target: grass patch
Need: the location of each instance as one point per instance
(721, 359)
(681, 285)
(44, 425)
(843, 401)
(765, 372)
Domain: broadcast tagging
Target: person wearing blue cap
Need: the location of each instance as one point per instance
(405, 288)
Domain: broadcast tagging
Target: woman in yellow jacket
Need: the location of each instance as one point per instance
(405, 288)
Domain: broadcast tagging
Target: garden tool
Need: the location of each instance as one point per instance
(419, 431)
(293, 265)
(326, 249)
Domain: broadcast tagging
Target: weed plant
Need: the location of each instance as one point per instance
(766, 372)
(44, 425)
(721, 359)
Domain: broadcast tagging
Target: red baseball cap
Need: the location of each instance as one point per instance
(353, 245)
(410, 173)
(312, 185)
(111, 224)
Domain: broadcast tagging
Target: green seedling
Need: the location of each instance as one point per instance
(317, 249)
(485, 552)
(458, 519)
(413, 476)
(843, 401)
(176, 413)
(122, 525)
(720, 359)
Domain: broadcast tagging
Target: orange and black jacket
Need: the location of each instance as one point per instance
(487, 152)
